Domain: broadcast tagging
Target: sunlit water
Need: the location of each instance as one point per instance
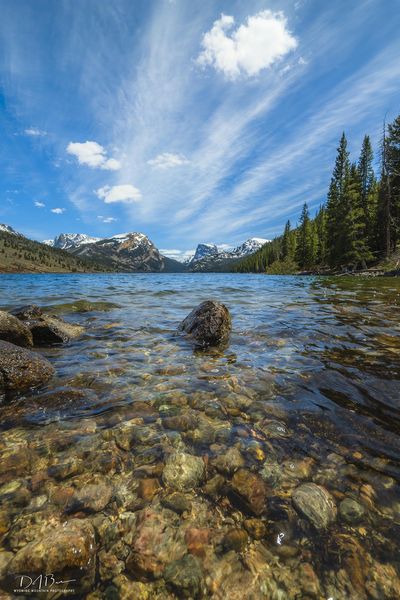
(309, 383)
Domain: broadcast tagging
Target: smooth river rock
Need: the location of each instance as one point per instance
(22, 369)
(316, 504)
(47, 329)
(209, 324)
(68, 552)
(183, 471)
(14, 331)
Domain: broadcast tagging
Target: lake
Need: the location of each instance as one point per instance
(296, 422)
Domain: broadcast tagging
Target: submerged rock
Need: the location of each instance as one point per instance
(185, 576)
(156, 544)
(235, 539)
(91, 498)
(316, 503)
(47, 329)
(351, 511)
(14, 331)
(67, 551)
(183, 471)
(81, 306)
(209, 324)
(250, 491)
(22, 369)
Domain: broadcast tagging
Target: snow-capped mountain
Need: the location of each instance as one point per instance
(8, 229)
(249, 247)
(127, 252)
(209, 255)
(203, 251)
(68, 241)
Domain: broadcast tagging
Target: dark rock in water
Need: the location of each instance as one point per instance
(185, 576)
(177, 502)
(14, 331)
(22, 369)
(256, 528)
(209, 324)
(316, 503)
(67, 551)
(235, 539)
(249, 490)
(351, 511)
(47, 329)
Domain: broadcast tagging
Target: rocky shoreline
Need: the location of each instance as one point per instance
(188, 496)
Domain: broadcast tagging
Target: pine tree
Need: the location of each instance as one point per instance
(320, 229)
(304, 249)
(367, 190)
(393, 173)
(336, 205)
(354, 233)
(288, 243)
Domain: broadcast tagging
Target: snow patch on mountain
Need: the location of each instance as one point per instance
(68, 241)
(8, 229)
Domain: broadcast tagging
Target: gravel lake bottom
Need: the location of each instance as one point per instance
(149, 469)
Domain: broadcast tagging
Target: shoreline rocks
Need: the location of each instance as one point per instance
(22, 369)
(14, 331)
(209, 324)
(46, 329)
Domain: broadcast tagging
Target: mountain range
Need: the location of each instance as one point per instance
(124, 252)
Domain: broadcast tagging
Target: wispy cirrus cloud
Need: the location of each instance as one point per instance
(35, 132)
(39, 204)
(167, 160)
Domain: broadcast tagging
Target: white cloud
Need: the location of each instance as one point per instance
(119, 193)
(249, 48)
(39, 204)
(106, 219)
(58, 211)
(93, 155)
(167, 160)
(35, 132)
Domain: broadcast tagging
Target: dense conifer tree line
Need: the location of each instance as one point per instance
(358, 225)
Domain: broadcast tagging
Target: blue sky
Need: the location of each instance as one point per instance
(189, 120)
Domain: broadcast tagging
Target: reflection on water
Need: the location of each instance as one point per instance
(307, 392)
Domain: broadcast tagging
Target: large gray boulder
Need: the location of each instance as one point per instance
(46, 329)
(209, 324)
(14, 331)
(22, 369)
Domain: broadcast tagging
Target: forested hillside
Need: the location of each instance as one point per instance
(19, 254)
(358, 225)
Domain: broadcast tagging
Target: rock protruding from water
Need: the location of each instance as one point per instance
(316, 504)
(22, 369)
(47, 329)
(14, 331)
(67, 551)
(209, 324)
(183, 471)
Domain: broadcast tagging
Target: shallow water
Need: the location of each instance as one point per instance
(307, 391)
